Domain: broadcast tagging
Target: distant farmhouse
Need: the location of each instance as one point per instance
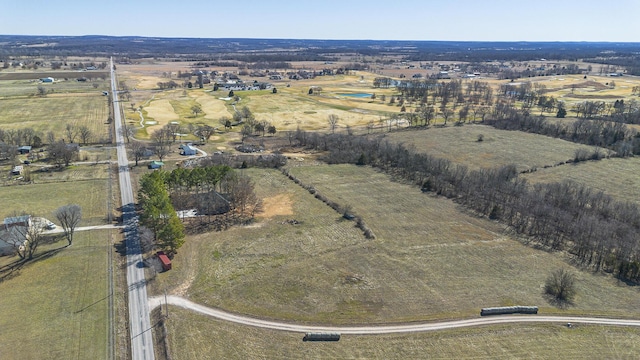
(13, 233)
(188, 150)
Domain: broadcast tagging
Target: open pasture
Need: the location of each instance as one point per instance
(29, 88)
(616, 177)
(54, 112)
(460, 145)
(42, 199)
(429, 260)
(57, 306)
(217, 339)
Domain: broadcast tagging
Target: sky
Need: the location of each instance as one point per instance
(453, 20)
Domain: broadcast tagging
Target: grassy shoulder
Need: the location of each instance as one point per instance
(539, 341)
(56, 306)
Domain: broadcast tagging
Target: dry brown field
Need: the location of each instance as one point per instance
(430, 260)
(460, 145)
(616, 177)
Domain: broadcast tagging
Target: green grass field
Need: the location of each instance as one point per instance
(616, 177)
(216, 339)
(42, 199)
(56, 307)
(499, 147)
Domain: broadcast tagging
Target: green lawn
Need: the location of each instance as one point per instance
(56, 307)
(42, 199)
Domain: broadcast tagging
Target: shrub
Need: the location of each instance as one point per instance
(561, 285)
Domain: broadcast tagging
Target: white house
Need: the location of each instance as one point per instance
(13, 233)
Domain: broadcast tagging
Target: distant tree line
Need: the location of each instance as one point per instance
(599, 231)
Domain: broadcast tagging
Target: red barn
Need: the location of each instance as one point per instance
(164, 259)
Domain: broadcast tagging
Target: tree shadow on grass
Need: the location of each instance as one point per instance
(558, 303)
(12, 269)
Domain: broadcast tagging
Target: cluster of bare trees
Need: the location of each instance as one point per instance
(250, 125)
(18, 137)
(604, 133)
(61, 153)
(600, 232)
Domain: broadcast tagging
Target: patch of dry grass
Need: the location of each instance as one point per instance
(460, 145)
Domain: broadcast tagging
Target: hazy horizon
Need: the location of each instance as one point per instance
(412, 20)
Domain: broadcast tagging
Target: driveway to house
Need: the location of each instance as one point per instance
(59, 230)
(385, 329)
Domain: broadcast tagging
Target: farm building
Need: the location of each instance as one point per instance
(24, 149)
(13, 233)
(164, 261)
(155, 165)
(188, 150)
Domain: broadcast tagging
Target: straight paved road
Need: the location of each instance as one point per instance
(139, 322)
(385, 329)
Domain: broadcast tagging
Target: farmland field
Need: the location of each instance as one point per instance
(460, 145)
(521, 341)
(56, 306)
(429, 261)
(42, 199)
(616, 177)
(54, 112)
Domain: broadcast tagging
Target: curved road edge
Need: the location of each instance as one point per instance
(383, 329)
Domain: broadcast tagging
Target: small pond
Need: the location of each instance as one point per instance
(357, 95)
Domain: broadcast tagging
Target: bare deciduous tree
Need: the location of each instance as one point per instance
(61, 153)
(69, 217)
(71, 132)
(333, 122)
(561, 284)
(137, 150)
(127, 132)
(85, 134)
(205, 132)
(196, 109)
(162, 142)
